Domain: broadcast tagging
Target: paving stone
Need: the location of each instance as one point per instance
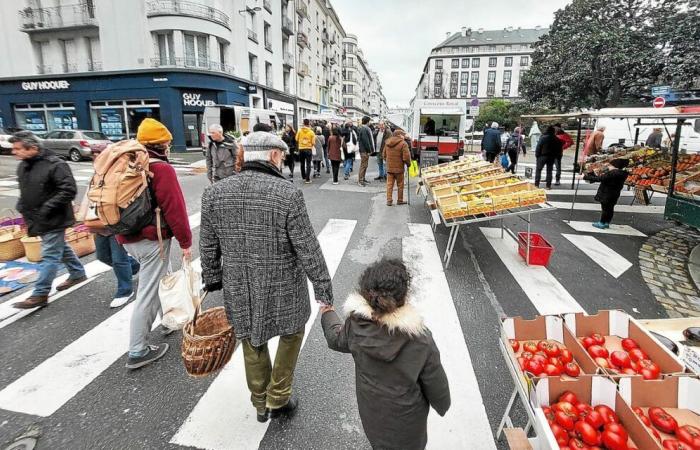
(665, 269)
(685, 291)
(674, 294)
(687, 286)
(679, 272)
(646, 258)
(668, 281)
(681, 278)
(666, 301)
(656, 283)
(647, 247)
(688, 312)
(673, 314)
(656, 290)
(646, 264)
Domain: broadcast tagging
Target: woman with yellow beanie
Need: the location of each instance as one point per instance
(144, 246)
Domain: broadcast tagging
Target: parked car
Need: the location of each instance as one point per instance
(76, 144)
(5, 146)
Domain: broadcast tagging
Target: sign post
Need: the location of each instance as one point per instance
(659, 102)
(473, 112)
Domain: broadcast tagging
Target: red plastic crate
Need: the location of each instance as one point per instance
(540, 249)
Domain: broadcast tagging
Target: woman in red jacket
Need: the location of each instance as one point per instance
(146, 247)
(335, 143)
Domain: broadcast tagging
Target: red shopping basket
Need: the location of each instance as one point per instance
(540, 249)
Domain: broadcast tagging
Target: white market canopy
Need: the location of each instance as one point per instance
(671, 112)
(442, 111)
(332, 118)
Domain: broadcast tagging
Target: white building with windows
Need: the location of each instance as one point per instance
(362, 89)
(106, 65)
(478, 63)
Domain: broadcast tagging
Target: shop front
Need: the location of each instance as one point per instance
(284, 106)
(116, 103)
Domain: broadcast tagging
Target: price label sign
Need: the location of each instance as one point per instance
(474, 111)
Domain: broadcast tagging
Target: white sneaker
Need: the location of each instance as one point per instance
(120, 301)
(335, 182)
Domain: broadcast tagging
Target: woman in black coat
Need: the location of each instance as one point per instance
(548, 147)
(290, 138)
(398, 374)
(611, 182)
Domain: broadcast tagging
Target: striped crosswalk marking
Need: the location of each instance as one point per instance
(224, 418)
(465, 425)
(621, 230)
(547, 295)
(607, 258)
(619, 208)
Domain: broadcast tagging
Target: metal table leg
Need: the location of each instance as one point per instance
(506, 415)
(451, 247)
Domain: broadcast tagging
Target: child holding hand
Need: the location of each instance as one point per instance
(398, 373)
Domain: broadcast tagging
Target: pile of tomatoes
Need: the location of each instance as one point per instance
(545, 358)
(578, 425)
(630, 361)
(687, 436)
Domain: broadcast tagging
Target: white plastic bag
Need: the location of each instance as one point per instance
(179, 294)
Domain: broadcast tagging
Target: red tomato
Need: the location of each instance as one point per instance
(643, 417)
(583, 409)
(560, 434)
(569, 397)
(534, 367)
(541, 358)
(629, 371)
(648, 374)
(634, 365)
(552, 350)
(552, 371)
(614, 441)
(515, 345)
(620, 358)
(565, 356)
(595, 419)
(690, 435)
(653, 431)
(521, 362)
(530, 346)
(587, 433)
(541, 345)
(564, 447)
(598, 338)
(602, 362)
(555, 361)
(597, 351)
(607, 413)
(549, 414)
(662, 420)
(572, 369)
(565, 420)
(566, 407)
(527, 355)
(636, 354)
(577, 444)
(638, 411)
(648, 364)
(628, 344)
(587, 342)
(673, 444)
(617, 429)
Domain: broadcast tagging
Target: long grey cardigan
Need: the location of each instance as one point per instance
(257, 241)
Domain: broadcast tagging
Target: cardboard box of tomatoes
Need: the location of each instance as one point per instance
(669, 409)
(620, 346)
(587, 412)
(544, 347)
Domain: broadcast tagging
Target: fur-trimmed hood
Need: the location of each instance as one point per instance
(386, 337)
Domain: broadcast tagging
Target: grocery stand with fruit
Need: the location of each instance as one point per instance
(471, 190)
(599, 381)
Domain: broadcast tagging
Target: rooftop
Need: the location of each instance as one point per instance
(493, 37)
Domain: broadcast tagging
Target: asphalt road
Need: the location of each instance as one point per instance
(157, 407)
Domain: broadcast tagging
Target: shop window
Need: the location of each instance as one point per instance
(121, 119)
(166, 49)
(31, 120)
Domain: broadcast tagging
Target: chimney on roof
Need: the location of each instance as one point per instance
(464, 31)
(469, 32)
(481, 31)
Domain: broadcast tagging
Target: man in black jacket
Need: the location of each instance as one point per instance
(548, 147)
(47, 189)
(221, 154)
(366, 141)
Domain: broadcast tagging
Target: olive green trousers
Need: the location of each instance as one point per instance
(271, 386)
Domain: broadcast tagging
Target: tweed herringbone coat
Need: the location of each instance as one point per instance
(257, 241)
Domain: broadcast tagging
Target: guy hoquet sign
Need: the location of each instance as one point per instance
(52, 85)
(191, 99)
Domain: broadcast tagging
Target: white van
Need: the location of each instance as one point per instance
(622, 131)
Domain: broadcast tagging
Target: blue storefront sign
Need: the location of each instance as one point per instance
(116, 103)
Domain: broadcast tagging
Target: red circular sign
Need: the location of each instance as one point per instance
(659, 102)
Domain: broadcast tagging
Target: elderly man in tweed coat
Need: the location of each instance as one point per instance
(258, 245)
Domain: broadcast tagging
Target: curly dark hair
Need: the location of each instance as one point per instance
(385, 286)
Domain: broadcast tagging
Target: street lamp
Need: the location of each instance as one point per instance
(250, 10)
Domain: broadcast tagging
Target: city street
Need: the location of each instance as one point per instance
(64, 381)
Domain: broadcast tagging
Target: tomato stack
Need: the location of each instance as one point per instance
(545, 358)
(630, 361)
(578, 425)
(685, 437)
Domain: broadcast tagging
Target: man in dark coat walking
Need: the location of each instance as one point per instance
(548, 148)
(47, 189)
(491, 142)
(258, 245)
(366, 144)
(221, 154)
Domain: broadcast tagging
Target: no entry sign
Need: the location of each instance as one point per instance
(659, 102)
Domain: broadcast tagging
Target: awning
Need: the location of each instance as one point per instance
(672, 112)
(442, 111)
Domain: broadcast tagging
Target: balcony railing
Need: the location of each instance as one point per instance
(57, 18)
(253, 36)
(302, 9)
(287, 26)
(267, 4)
(325, 38)
(303, 69)
(192, 63)
(43, 69)
(268, 46)
(94, 66)
(188, 9)
(325, 61)
(289, 60)
(302, 39)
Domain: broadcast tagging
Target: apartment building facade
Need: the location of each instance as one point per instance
(478, 63)
(106, 65)
(358, 81)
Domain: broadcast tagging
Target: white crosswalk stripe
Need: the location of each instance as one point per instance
(641, 209)
(622, 230)
(604, 256)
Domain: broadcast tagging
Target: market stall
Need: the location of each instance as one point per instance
(471, 190)
(566, 366)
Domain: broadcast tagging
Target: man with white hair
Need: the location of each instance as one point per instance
(491, 142)
(221, 154)
(381, 135)
(257, 244)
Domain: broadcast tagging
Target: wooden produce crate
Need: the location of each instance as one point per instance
(474, 186)
(463, 177)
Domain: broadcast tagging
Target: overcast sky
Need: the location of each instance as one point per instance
(396, 36)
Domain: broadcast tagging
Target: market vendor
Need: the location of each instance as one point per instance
(612, 180)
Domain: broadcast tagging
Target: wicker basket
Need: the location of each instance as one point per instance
(10, 242)
(32, 248)
(208, 342)
(81, 241)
